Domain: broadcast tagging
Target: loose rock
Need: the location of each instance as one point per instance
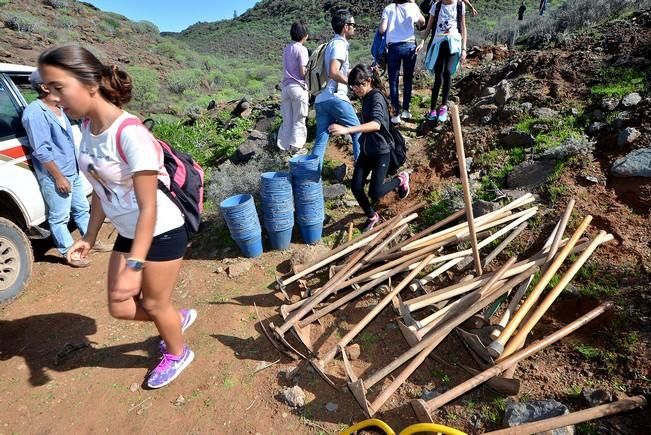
(353, 351)
(627, 136)
(238, 269)
(518, 413)
(515, 138)
(179, 401)
(503, 93)
(636, 164)
(595, 128)
(294, 396)
(596, 397)
(333, 191)
(631, 100)
(481, 207)
(530, 174)
(331, 407)
(609, 104)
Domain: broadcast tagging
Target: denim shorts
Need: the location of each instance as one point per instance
(170, 245)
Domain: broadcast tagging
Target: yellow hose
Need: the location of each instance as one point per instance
(415, 428)
(374, 422)
(431, 428)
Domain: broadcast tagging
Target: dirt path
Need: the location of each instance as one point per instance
(90, 390)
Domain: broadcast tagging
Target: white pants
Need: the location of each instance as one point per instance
(294, 103)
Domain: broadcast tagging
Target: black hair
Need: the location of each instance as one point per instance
(401, 1)
(114, 84)
(360, 73)
(340, 18)
(298, 30)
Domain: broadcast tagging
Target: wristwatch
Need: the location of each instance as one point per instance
(135, 264)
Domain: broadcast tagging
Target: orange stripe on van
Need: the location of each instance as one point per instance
(15, 152)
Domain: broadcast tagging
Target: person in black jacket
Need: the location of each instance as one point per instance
(375, 143)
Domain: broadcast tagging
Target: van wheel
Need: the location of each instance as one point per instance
(16, 260)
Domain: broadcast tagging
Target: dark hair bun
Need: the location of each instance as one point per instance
(116, 85)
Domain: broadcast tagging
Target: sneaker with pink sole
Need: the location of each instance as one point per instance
(403, 188)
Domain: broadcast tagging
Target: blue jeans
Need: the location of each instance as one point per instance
(401, 53)
(61, 206)
(333, 111)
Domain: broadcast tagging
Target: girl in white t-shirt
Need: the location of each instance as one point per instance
(399, 20)
(152, 238)
(447, 50)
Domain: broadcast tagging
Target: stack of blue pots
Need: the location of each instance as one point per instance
(243, 223)
(308, 196)
(277, 208)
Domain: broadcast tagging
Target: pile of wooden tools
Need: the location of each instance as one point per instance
(495, 300)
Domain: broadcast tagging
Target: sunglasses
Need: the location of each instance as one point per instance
(351, 24)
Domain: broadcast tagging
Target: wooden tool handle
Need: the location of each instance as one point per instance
(574, 417)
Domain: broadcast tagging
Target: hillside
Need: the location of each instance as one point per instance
(261, 31)
(169, 76)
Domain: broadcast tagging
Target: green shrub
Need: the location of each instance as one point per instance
(183, 80)
(4, 2)
(145, 27)
(66, 22)
(170, 49)
(146, 86)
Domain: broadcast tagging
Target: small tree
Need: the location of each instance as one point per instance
(234, 14)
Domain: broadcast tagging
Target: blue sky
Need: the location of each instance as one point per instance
(174, 16)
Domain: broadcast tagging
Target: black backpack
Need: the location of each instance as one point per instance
(398, 150)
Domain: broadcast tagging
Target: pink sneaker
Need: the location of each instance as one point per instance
(443, 113)
(370, 222)
(403, 188)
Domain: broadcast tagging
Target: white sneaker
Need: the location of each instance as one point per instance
(395, 120)
(406, 114)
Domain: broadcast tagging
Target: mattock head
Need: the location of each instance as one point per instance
(281, 287)
(273, 341)
(318, 367)
(347, 367)
(304, 335)
(410, 334)
(282, 340)
(420, 409)
(359, 392)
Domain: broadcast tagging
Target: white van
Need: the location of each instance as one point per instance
(22, 210)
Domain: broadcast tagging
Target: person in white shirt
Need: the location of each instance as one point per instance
(399, 20)
(125, 172)
(447, 50)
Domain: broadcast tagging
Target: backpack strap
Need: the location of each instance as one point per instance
(125, 123)
(459, 14)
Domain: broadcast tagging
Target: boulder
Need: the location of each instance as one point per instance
(257, 135)
(627, 136)
(545, 113)
(518, 413)
(530, 174)
(571, 147)
(636, 164)
(609, 104)
(294, 397)
(515, 138)
(526, 106)
(246, 151)
(631, 100)
(503, 92)
(333, 191)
